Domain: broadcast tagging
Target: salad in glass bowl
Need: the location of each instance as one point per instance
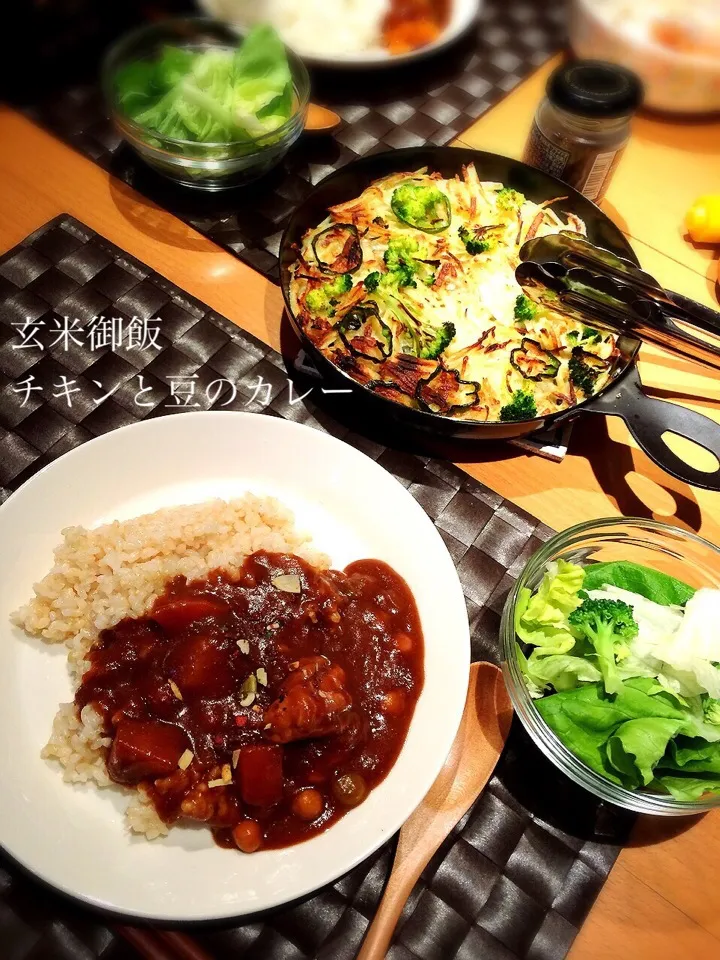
(203, 106)
(612, 661)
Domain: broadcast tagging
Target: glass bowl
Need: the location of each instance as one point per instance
(671, 550)
(203, 166)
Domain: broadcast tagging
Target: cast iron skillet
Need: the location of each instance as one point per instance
(647, 418)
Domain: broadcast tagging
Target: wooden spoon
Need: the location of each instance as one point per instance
(321, 120)
(475, 751)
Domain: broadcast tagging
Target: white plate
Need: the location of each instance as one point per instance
(73, 836)
(464, 14)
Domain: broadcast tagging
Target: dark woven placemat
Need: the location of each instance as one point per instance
(518, 876)
(429, 102)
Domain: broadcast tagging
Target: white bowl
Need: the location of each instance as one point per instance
(674, 82)
(462, 16)
(74, 837)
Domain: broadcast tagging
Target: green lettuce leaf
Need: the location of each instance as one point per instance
(136, 87)
(263, 84)
(586, 719)
(582, 728)
(711, 709)
(214, 95)
(651, 584)
(636, 746)
(692, 755)
(562, 670)
(172, 66)
(686, 788)
(541, 618)
(645, 697)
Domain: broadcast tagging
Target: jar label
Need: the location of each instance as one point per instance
(599, 172)
(598, 178)
(544, 154)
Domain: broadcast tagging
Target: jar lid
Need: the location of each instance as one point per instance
(593, 88)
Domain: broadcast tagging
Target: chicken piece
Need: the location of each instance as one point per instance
(313, 703)
(145, 750)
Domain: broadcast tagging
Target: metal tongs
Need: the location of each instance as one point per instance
(567, 273)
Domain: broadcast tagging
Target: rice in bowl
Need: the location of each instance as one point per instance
(119, 570)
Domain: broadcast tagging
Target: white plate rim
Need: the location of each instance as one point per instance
(464, 14)
(454, 707)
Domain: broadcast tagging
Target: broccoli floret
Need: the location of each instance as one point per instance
(521, 407)
(433, 348)
(525, 309)
(509, 199)
(587, 333)
(401, 261)
(401, 251)
(324, 299)
(582, 375)
(608, 625)
(422, 206)
(404, 265)
(372, 281)
(317, 302)
(476, 243)
(339, 286)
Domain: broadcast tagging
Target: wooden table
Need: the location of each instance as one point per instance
(662, 900)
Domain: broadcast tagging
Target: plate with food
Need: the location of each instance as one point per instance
(228, 677)
(611, 661)
(355, 33)
(398, 274)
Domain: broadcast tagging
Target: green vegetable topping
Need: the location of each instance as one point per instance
(607, 624)
(587, 335)
(444, 391)
(212, 96)
(480, 239)
(405, 267)
(534, 363)
(525, 309)
(337, 249)
(509, 199)
(425, 207)
(521, 407)
(401, 260)
(585, 368)
(441, 339)
(365, 333)
(323, 300)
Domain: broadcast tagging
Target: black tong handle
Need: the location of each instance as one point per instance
(567, 273)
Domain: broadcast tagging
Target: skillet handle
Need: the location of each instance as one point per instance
(648, 419)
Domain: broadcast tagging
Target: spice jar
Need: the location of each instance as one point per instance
(583, 125)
